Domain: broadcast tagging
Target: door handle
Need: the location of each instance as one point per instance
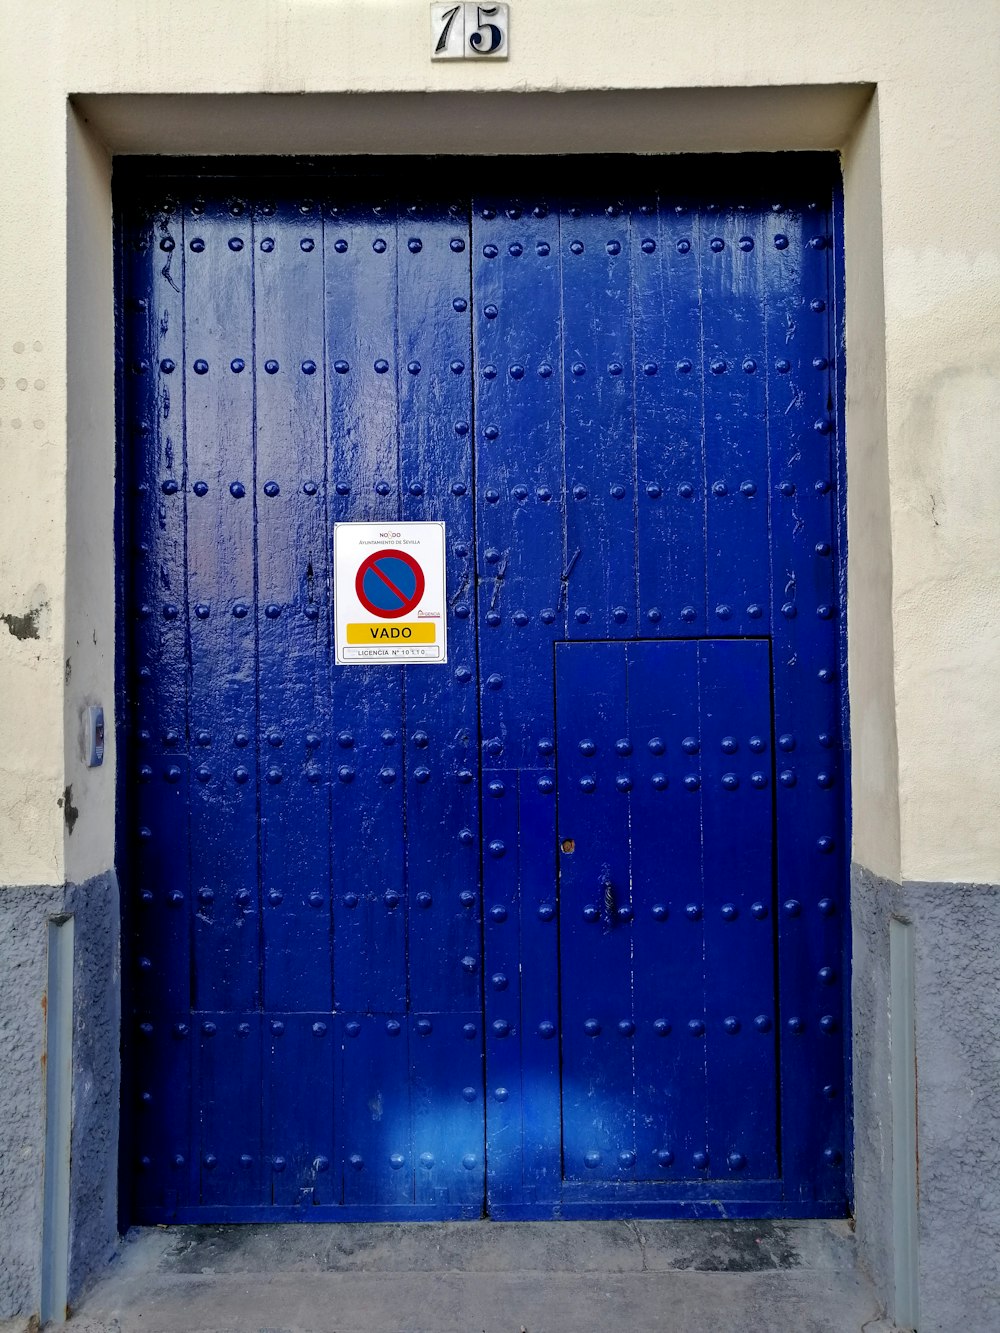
(610, 901)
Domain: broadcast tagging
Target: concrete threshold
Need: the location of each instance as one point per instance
(486, 1277)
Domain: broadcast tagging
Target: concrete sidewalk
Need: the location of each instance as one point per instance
(486, 1277)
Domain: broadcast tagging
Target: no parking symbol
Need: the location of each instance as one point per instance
(390, 583)
(389, 589)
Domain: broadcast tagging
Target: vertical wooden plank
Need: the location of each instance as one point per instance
(360, 251)
(503, 962)
(670, 488)
(736, 472)
(441, 710)
(299, 1053)
(669, 941)
(737, 813)
(293, 571)
(159, 911)
(157, 883)
(539, 976)
(155, 377)
(371, 938)
(808, 756)
(218, 372)
(376, 1149)
(162, 1128)
(161, 943)
(595, 251)
(520, 497)
(227, 1095)
(366, 723)
(595, 919)
(446, 1091)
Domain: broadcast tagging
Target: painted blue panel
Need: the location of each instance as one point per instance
(360, 253)
(366, 730)
(596, 912)
(299, 1056)
(669, 900)
(539, 974)
(157, 1139)
(370, 943)
(227, 1076)
(162, 1169)
(159, 905)
(155, 376)
(670, 440)
(809, 792)
(160, 970)
(736, 481)
(524, 568)
(293, 628)
(737, 816)
(524, 576)
(216, 373)
(446, 1096)
(596, 244)
(441, 722)
(375, 1148)
(502, 962)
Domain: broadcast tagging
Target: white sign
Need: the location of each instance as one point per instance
(389, 591)
(469, 32)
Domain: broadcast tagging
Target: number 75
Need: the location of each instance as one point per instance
(469, 31)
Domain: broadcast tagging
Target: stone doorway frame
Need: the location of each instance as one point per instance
(842, 117)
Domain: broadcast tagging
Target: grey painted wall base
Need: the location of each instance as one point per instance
(956, 1022)
(24, 913)
(957, 1031)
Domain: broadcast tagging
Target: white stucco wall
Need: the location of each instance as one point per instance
(923, 195)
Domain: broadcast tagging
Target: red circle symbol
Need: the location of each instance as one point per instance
(389, 584)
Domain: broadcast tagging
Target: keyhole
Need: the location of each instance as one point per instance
(568, 845)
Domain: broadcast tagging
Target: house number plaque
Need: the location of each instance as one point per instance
(469, 31)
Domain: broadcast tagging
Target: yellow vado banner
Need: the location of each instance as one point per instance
(383, 633)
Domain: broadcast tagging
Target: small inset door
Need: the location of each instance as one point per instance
(667, 981)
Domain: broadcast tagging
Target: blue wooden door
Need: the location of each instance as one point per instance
(303, 904)
(556, 928)
(657, 493)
